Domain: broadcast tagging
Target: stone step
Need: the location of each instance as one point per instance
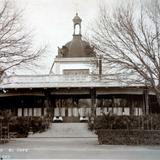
(66, 130)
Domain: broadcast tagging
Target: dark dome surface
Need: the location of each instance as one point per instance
(77, 47)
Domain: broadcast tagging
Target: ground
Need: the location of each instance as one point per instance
(75, 148)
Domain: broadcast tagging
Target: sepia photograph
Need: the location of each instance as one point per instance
(80, 79)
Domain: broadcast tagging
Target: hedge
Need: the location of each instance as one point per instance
(23, 125)
(146, 122)
(127, 130)
(128, 137)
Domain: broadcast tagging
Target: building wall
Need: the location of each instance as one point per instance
(61, 64)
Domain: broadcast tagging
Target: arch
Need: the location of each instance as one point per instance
(77, 29)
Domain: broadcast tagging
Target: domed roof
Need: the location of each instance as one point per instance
(76, 47)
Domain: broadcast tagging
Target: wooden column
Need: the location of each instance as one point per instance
(93, 104)
(146, 101)
(43, 105)
(132, 105)
(47, 102)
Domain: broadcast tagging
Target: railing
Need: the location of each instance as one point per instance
(4, 132)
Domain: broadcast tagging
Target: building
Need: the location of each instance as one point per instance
(75, 87)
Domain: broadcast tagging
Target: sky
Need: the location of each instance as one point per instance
(50, 22)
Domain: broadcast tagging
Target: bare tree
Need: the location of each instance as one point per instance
(15, 45)
(129, 39)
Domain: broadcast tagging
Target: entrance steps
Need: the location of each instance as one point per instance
(70, 130)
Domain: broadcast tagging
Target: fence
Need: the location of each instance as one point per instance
(4, 132)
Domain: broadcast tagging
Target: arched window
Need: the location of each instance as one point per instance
(77, 29)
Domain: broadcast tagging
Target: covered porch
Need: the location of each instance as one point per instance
(72, 103)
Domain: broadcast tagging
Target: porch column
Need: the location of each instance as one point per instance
(93, 104)
(47, 102)
(146, 101)
(132, 104)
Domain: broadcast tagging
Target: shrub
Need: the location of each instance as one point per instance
(128, 137)
(146, 122)
(23, 125)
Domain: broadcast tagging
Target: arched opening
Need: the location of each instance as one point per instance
(77, 29)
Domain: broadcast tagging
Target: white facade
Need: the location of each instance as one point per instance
(79, 64)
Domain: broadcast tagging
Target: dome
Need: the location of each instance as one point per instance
(76, 47)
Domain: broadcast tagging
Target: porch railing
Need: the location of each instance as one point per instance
(4, 132)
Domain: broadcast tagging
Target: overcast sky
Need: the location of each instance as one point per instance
(51, 22)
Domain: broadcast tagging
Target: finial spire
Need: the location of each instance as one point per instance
(76, 6)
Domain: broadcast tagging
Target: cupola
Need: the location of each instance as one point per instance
(76, 47)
